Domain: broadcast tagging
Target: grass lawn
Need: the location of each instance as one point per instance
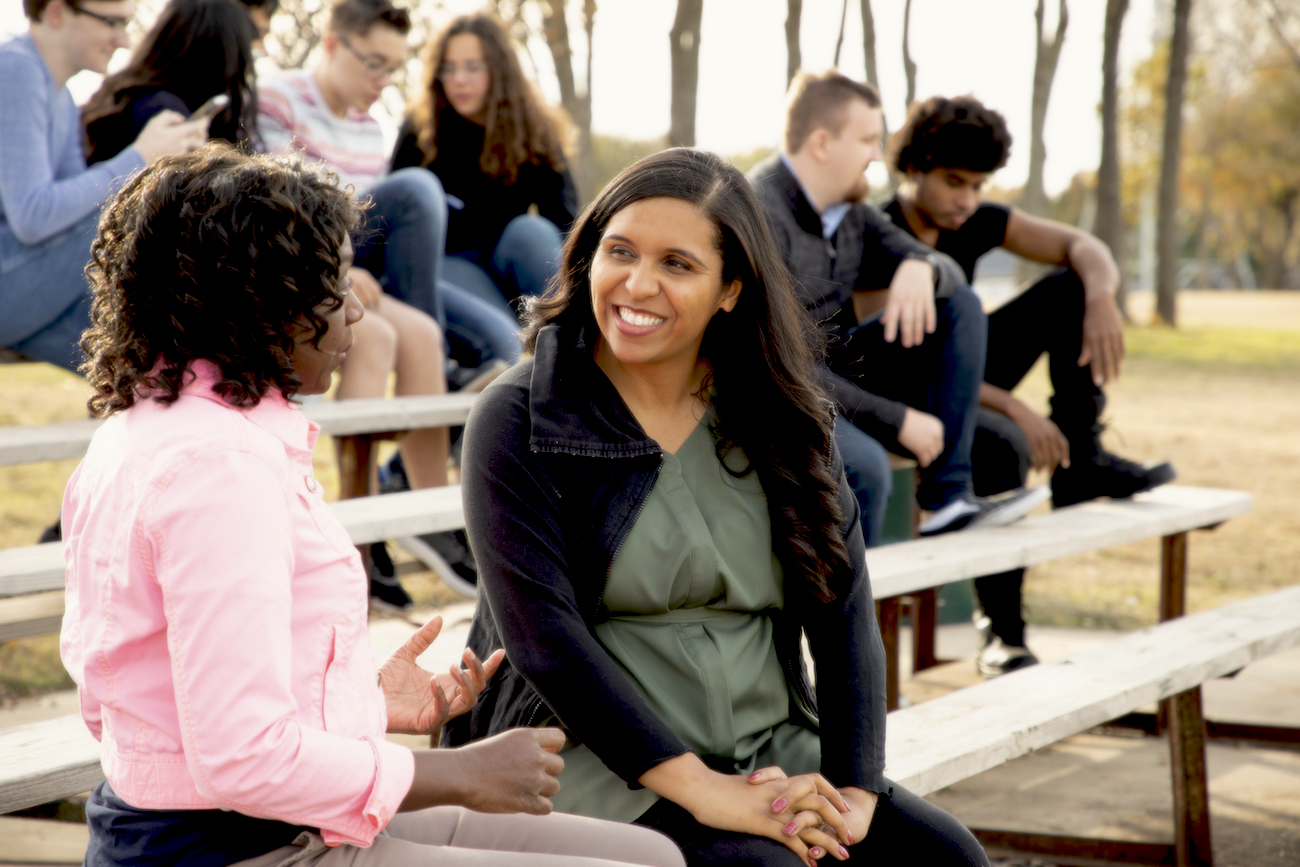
(1220, 397)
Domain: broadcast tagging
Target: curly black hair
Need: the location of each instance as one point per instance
(958, 133)
(215, 255)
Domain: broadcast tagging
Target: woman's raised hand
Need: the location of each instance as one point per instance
(419, 703)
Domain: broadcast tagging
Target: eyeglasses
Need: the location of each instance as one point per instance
(114, 22)
(374, 68)
(470, 69)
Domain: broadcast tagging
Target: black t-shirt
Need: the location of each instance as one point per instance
(986, 229)
(479, 207)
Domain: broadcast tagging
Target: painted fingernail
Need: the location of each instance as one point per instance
(850, 837)
(844, 853)
(754, 776)
(791, 828)
(779, 805)
(815, 852)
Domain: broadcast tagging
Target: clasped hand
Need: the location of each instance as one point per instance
(421, 703)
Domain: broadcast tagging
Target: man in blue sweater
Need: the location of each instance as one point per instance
(49, 200)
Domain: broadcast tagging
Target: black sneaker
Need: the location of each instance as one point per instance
(1106, 475)
(972, 512)
(386, 592)
(449, 556)
(52, 533)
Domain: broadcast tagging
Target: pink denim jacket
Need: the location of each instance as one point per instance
(216, 620)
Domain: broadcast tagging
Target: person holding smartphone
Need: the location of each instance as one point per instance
(49, 200)
(196, 61)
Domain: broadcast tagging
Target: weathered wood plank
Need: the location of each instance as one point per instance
(940, 742)
(34, 568)
(922, 563)
(46, 761)
(20, 444)
(34, 614)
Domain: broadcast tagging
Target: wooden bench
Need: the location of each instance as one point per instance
(915, 568)
(33, 575)
(21, 444)
(940, 742)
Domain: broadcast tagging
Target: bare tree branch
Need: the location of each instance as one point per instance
(839, 40)
(684, 47)
(793, 53)
(909, 66)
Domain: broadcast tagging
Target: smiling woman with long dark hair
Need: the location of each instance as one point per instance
(197, 49)
(659, 511)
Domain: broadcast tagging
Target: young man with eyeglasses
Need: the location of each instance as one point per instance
(324, 113)
(49, 200)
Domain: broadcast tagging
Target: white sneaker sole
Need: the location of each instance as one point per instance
(422, 551)
(1014, 509)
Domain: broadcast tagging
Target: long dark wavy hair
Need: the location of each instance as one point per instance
(763, 387)
(216, 255)
(195, 50)
(519, 127)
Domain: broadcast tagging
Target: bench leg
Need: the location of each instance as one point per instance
(1173, 576)
(887, 616)
(925, 610)
(1191, 792)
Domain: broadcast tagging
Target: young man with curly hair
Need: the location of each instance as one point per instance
(906, 331)
(946, 152)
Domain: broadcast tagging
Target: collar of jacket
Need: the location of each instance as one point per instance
(783, 180)
(573, 407)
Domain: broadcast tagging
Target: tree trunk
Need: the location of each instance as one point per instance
(1108, 225)
(684, 46)
(869, 60)
(555, 25)
(1171, 157)
(1045, 58)
(909, 65)
(839, 40)
(793, 54)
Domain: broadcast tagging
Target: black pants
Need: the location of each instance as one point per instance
(906, 829)
(1046, 317)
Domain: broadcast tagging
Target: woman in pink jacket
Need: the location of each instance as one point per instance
(216, 611)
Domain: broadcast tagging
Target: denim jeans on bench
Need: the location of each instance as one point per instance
(402, 244)
(45, 296)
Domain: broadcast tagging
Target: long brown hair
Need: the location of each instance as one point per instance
(764, 388)
(519, 128)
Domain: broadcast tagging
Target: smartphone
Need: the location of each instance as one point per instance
(211, 108)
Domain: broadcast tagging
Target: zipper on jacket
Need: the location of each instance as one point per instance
(612, 557)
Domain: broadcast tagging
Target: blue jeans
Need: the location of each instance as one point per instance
(942, 376)
(402, 245)
(524, 260)
(866, 466)
(45, 296)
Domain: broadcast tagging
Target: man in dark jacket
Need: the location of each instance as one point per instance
(907, 335)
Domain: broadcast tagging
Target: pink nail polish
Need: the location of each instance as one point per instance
(844, 853)
(814, 852)
(754, 776)
(779, 805)
(791, 828)
(850, 837)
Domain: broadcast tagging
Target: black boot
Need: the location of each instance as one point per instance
(1095, 472)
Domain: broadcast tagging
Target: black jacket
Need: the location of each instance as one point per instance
(863, 255)
(479, 207)
(555, 472)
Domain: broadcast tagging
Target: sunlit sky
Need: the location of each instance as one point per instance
(983, 47)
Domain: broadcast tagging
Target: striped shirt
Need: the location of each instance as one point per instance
(292, 115)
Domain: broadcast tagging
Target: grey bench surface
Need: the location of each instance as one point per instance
(21, 444)
(928, 746)
(961, 734)
(923, 563)
(895, 569)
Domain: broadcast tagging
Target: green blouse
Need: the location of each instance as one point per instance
(689, 596)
